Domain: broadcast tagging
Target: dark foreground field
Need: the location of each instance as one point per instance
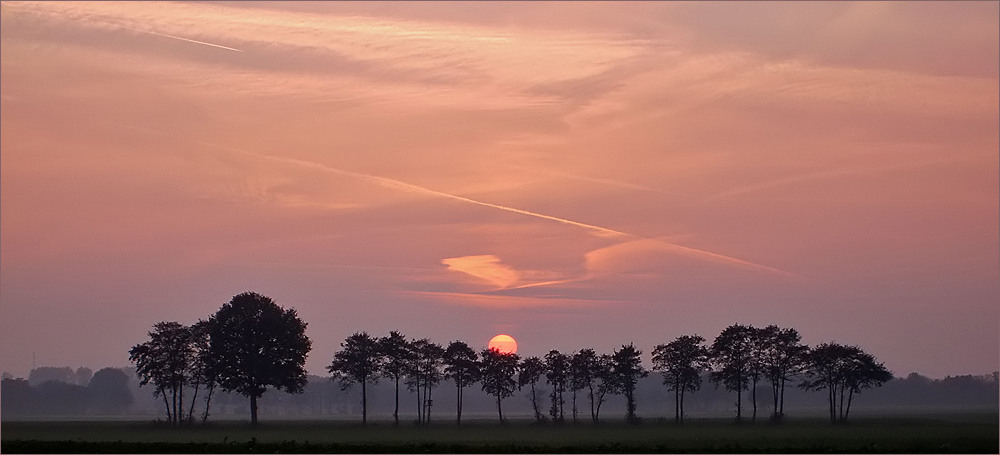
(932, 433)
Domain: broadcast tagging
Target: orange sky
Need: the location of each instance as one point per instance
(572, 174)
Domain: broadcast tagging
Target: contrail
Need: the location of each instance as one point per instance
(397, 184)
(182, 38)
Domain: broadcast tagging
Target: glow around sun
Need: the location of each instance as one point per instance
(504, 343)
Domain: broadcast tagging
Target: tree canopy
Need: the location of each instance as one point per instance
(255, 344)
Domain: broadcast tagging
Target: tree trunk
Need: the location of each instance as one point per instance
(841, 403)
(850, 397)
(180, 404)
(364, 402)
(562, 414)
(395, 411)
(682, 407)
(420, 403)
(253, 410)
(831, 397)
(739, 403)
(592, 415)
(534, 404)
(499, 410)
(166, 404)
(677, 404)
(630, 405)
(782, 400)
(458, 400)
(753, 397)
(428, 402)
(197, 386)
(774, 393)
(574, 405)
(208, 403)
(600, 401)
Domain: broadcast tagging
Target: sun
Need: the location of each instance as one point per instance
(504, 343)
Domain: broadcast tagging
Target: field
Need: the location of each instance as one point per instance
(930, 433)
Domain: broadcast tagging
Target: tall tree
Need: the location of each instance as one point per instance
(757, 340)
(557, 375)
(681, 362)
(498, 371)
(606, 382)
(255, 344)
(583, 373)
(462, 366)
(165, 361)
(529, 372)
(424, 374)
(359, 361)
(203, 367)
(397, 355)
(841, 370)
(783, 358)
(730, 354)
(626, 365)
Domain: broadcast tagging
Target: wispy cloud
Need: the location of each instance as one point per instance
(508, 301)
(838, 173)
(485, 267)
(598, 230)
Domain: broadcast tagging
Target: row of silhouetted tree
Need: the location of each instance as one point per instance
(252, 344)
(740, 358)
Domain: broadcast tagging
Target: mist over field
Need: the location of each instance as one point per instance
(324, 399)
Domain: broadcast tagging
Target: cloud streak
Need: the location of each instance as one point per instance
(598, 230)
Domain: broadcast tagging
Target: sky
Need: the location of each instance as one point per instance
(571, 174)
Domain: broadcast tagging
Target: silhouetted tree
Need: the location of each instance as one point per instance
(359, 361)
(730, 353)
(16, 397)
(424, 375)
(397, 355)
(255, 344)
(462, 366)
(755, 363)
(841, 370)
(529, 372)
(681, 362)
(626, 366)
(583, 373)
(498, 371)
(557, 375)
(165, 361)
(782, 358)
(108, 392)
(203, 368)
(606, 382)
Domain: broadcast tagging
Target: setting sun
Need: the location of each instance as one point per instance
(504, 343)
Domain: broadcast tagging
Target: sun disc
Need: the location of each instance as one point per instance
(504, 343)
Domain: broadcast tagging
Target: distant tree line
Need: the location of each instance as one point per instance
(50, 391)
(251, 344)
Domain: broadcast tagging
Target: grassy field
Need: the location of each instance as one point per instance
(932, 433)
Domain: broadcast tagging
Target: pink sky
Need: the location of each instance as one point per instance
(572, 174)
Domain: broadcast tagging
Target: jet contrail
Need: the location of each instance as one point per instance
(397, 184)
(182, 38)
